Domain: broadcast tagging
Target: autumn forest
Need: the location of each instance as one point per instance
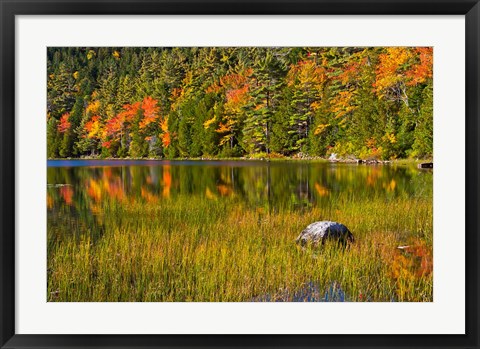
(224, 102)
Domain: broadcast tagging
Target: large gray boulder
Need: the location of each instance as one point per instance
(319, 232)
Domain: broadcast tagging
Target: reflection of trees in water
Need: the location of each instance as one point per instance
(272, 186)
(70, 219)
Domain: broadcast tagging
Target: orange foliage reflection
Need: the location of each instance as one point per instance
(167, 181)
(412, 262)
(94, 189)
(149, 197)
(50, 201)
(321, 190)
(390, 186)
(373, 176)
(67, 194)
(224, 190)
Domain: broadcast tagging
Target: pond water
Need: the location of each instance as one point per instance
(275, 185)
(81, 192)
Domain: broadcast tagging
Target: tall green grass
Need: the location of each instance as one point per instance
(193, 249)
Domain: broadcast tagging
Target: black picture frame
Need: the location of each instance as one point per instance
(10, 8)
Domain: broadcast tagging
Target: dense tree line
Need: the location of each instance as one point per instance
(249, 101)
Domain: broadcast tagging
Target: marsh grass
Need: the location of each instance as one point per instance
(192, 249)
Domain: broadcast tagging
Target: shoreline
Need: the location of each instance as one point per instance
(263, 159)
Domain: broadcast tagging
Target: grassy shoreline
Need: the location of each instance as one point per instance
(189, 249)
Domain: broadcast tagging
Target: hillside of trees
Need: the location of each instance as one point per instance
(232, 102)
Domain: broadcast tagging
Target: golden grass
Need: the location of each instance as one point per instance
(193, 249)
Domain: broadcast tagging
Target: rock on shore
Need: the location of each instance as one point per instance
(321, 231)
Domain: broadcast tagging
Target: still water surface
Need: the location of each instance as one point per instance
(292, 185)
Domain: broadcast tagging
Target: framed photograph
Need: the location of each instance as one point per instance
(239, 174)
